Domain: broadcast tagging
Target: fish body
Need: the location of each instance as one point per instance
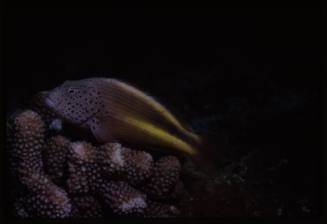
(115, 111)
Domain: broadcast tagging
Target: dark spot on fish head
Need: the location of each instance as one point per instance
(94, 124)
(76, 101)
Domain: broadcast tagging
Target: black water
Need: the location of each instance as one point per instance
(252, 76)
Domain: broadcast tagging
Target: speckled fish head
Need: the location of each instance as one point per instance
(75, 101)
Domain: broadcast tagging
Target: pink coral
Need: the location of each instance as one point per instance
(82, 167)
(112, 159)
(86, 207)
(26, 135)
(139, 167)
(78, 179)
(118, 161)
(165, 176)
(55, 156)
(157, 209)
(45, 199)
(122, 198)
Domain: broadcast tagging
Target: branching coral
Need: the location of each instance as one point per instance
(157, 209)
(62, 178)
(55, 156)
(45, 199)
(120, 162)
(122, 198)
(26, 142)
(86, 207)
(82, 168)
(165, 176)
(139, 167)
(111, 156)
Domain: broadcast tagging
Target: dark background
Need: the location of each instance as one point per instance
(251, 75)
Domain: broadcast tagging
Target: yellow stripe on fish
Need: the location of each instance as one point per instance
(161, 135)
(156, 106)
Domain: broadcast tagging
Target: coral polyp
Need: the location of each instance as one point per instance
(86, 207)
(82, 167)
(139, 167)
(157, 209)
(166, 173)
(122, 198)
(55, 156)
(112, 159)
(44, 198)
(26, 142)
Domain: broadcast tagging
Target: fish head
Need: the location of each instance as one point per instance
(75, 101)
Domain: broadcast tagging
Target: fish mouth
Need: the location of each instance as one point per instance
(49, 102)
(49, 98)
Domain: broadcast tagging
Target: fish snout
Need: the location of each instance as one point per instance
(52, 97)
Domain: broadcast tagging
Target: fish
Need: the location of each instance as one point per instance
(113, 110)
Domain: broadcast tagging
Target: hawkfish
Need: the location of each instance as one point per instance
(113, 110)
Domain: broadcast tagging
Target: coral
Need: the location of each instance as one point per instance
(45, 199)
(118, 161)
(26, 142)
(55, 156)
(82, 167)
(63, 178)
(139, 167)
(122, 198)
(20, 209)
(86, 207)
(157, 209)
(111, 156)
(165, 175)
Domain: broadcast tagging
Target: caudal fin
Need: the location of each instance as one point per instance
(210, 157)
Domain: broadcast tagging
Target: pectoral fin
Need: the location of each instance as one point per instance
(101, 130)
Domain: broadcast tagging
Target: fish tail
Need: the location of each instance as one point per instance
(210, 150)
